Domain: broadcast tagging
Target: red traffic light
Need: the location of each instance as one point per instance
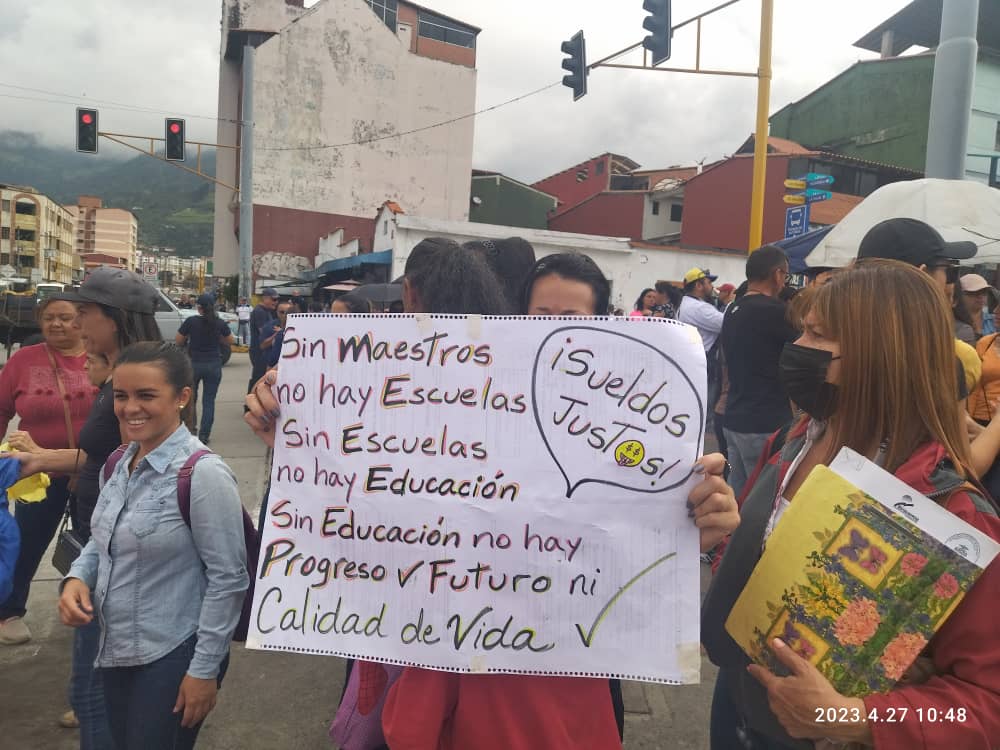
(175, 127)
(86, 118)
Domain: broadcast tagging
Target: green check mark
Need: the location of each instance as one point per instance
(589, 637)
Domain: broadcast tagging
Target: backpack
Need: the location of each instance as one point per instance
(250, 536)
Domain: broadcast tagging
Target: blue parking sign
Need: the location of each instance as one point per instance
(796, 221)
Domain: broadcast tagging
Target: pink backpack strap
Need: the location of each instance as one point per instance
(184, 484)
(113, 460)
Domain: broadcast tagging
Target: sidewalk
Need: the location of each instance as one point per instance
(272, 700)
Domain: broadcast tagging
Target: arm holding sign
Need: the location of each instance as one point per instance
(711, 502)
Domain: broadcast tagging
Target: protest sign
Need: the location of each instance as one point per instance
(486, 495)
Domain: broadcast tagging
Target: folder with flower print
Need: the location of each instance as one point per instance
(858, 575)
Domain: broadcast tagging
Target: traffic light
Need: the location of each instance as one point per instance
(175, 139)
(576, 64)
(86, 130)
(658, 23)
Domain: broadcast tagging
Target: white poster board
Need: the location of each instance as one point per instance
(486, 495)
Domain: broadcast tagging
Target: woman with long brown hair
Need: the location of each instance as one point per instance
(881, 380)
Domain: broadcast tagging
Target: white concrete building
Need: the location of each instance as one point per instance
(630, 266)
(342, 72)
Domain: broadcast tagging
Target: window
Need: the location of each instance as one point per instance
(6, 206)
(433, 26)
(385, 227)
(676, 211)
(386, 10)
(582, 175)
(656, 208)
(996, 145)
(5, 233)
(25, 209)
(4, 259)
(599, 169)
(26, 235)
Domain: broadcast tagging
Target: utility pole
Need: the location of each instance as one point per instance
(246, 177)
(951, 95)
(760, 137)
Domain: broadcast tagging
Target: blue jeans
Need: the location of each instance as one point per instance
(38, 523)
(140, 702)
(209, 374)
(744, 452)
(243, 331)
(86, 690)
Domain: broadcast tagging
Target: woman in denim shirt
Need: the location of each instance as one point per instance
(168, 596)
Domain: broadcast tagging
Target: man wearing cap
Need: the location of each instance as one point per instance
(261, 319)
(243, 311)
(919, 244)
(697, 308)
(976, 291)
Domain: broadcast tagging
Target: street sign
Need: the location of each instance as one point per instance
(811, 180)
(808, 196)
(149, 271)
(796, 221)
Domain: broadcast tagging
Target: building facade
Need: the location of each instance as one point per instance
(353, 78)
(498, 199)
(105, 233)
(36, 237)
(879, 110)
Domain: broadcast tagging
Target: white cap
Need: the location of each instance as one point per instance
(973, 282)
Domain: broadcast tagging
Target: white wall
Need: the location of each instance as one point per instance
(340, 75)
(630, 270)
(660, 225)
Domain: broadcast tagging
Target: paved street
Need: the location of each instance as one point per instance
(270, 700)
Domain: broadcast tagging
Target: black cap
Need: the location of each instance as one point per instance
(116, 287)
(206, 300)
(913, 242)
(269, 291)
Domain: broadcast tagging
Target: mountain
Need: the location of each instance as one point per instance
(174, 208)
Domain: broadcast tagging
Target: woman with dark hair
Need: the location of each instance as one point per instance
(964, 327)
(45, 385)
(351, 304)
(205, 335)
(168, 586)
(643, 307)
(565, 284)
(115, 308)
(510, 260)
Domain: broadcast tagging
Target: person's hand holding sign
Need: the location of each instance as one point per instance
(263, 408)
(711, 502)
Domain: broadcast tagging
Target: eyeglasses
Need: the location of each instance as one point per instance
(950, 272)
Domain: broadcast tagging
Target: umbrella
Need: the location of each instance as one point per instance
(961, 210)
(798, 248)
(381, 294)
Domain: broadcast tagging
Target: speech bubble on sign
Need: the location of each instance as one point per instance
(621, 408)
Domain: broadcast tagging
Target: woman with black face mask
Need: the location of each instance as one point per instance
(881, 380)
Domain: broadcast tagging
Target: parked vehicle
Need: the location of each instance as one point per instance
(169, 318)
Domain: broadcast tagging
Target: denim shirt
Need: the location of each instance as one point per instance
(156, 582)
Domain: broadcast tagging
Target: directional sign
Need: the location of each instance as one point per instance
(811, 180)
(808, 196)
(796, 221)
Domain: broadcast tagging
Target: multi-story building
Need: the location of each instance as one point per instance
(105, 236)
(879, 110)
(359, 81)
(36, 237)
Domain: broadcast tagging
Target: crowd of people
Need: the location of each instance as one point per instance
(869, 357)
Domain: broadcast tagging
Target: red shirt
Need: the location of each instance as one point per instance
(429, 710)
(28, 388)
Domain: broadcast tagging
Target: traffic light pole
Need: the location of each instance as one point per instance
(760, 135)
(246, 176)
(117, 138)
(763, 76)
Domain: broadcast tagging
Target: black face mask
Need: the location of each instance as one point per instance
(802, 371)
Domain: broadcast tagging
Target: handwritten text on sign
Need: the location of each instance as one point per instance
(486, 495)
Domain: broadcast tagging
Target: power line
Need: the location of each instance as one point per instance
(365, 141)
(73, 98)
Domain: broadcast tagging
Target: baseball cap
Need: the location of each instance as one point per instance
(115, 287)
(206, 300)
(726, 288)
(696, 274)
(269, 291)
(973, 282)
(914, 242)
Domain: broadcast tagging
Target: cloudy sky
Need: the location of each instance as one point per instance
(161, 58)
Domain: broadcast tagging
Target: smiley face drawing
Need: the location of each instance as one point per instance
(630, 453)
